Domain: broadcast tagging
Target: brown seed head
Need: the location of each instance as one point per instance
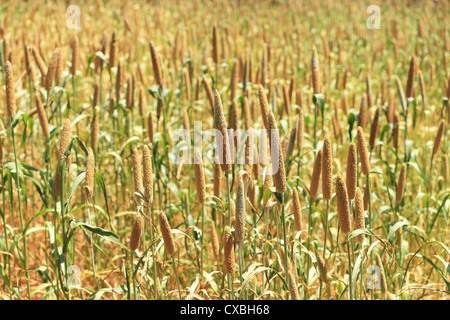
(199, 176)
(148, 174)
(150, 127)
(217, 177)
(50, 77)
(411, 75)
(264, 104)
(229, 251)
(374, 129)
(276, 154)
(239, 223)
(323, 271)
(297, 210)
(342, 205)
(440, 133)
(352, 170)
(75, 47)
(214, 241)
(89, 180)
(359, 222)
(137, 171)
(315, 179)
(327, 169)
(383, 284)
(157, 72)
(223, 145)
(401, 183)
(166, 232)
(136, 232)
(315, 71)
(10, 91)
(363, 152)
(362, 118)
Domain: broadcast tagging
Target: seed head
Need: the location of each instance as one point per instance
(327, 169)
(363, 152)
(166, 232)
(315, 179)
(342, 205)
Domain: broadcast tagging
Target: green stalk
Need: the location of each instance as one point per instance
(326, 230)
(25, 254)
(176, 275)
(92, 246)
(349, 268)
(285, 239)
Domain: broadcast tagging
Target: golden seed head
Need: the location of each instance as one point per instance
(199, 175)
(352, 170)
(327, 169)
(215, 45)
(223, 145)
(42, 117)
(383, 284)
(214, 241)
(411, 75)
(148, 174)
(342, 205)
(166, 232)
(362, 118)
(234, 81)
(229, 251)
(323, 271)
(315, 71)
(297, 210)
(276, 154)
(315, 179)
(40, 63)
(89, 180)
(440, 133)
(396, 129)
(239, 223)
(157, 72)
(95, 131)
(401, 183)
(136, 233)
(50, 77)
(363, 152)
(65, 138)
(246, 112)
(137, 171)
(264, 104)
(10, 91)
(374, 128)
(359, 222)
(209, 92)
(75, 47)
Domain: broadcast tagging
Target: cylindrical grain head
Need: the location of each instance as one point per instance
(359, 222)
(229, 251)
(264, 104)
(315, 179)
(166, 232)
(352, 171)
(42, 117)
(342, 203)
(323, 271)
(75, 47)
(423, 91)
(327, 169)
(223, 145)
(363, 152)
(215, 46)
(136, 232)
(374, 128)
(148, 174)
(214, 241)
(239, 223)
(440, 133)
(411, 75)
(246, 114)
(50, 77)
(199, 176)
(137, 172)
(383, 284)
(276, 155)
(95, 131)
(293, 290)
(157, 72)
(65, 138)
(59, 69)
(297, 210)
(89, 180)
(401, 183)
(315, 71)
(209, 92)
(362, 118)
(10, 91)
(112, 51)
(40, 63)
(234, 81)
